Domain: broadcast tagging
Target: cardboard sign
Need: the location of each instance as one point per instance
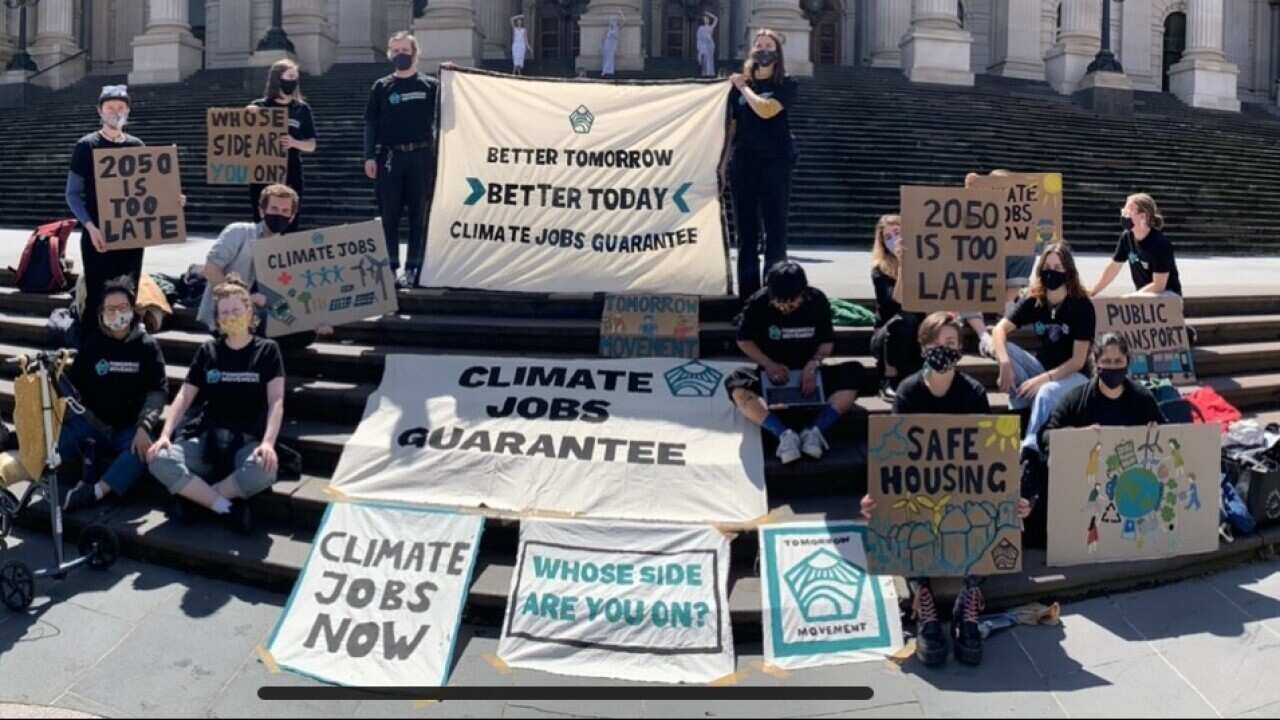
(947, 489)
(139, 197)
(821, 604)
(954, 258)
(1032, 210)
(244, 146)
(1118, 494)
(325, 277)
(649, 326)
(640, 439)
(620, 600)
(590, 186)
(1159, 348)
(379, 600)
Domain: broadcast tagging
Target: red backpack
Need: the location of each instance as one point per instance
(44, 267)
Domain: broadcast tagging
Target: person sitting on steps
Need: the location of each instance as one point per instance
(786, 326)
(893, 344)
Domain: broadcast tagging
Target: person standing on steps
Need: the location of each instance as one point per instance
(894, 343)
(787, 327)
(1145, 248)
(100, 263)
(763, 155)
(283, 91)
(399, 152)
(707, 45)
(941, 389)
(520, 48)
(609, 46)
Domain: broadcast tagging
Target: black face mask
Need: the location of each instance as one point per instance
(942, 359)
(1053, 279)
(402, 62)
(288, 87)
(1112, 377)
(277, 224)
(1126, 222)
(765, 58)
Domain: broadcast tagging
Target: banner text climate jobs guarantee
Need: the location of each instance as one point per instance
(567, 197)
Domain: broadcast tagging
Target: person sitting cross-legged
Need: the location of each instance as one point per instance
(785, 327)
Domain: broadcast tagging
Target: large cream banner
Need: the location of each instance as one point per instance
(549, 185)
(640, 438)
(617, 600)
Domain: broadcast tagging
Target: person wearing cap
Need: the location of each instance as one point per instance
(399, 151)
(119, 373)
(786, 327)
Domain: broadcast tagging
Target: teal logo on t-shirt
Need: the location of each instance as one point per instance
(213, 377)
(103, 367)
(775, 332)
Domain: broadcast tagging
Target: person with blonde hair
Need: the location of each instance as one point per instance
(284, 90)
(893, 343)
(1145, 248)
(225, 451)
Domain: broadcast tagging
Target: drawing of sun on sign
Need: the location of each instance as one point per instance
(827, 587)
(1139, 495)
(946, 492)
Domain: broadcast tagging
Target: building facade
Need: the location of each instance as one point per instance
(1210, 53)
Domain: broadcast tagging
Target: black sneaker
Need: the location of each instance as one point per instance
(181, 510)
(964, 626)
(241, 517)
(931, 641)
(81, 496)
(887, 391)
(402, 281)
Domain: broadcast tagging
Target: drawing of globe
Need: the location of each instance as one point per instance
(1138, 493)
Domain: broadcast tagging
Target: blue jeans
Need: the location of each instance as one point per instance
(125, 470)
(1025, 367)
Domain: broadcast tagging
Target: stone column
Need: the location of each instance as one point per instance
(1275, 50)
(1078, 43)
(1017, 50)
(937, 50)
(1204, 78)
(8, 35)
(892, 21)
(356, 31)
(235, 40)
(1134, 48)
(594, 25)
(448, 32)
(495, 27)
(787, 19)
(55, 41)
(314, 41)
(167, 52)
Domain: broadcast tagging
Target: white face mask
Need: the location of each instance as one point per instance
(115, 121)
(117, 322)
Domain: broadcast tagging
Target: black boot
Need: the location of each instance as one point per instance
(241, 517)
(964, 625)
(931, 641)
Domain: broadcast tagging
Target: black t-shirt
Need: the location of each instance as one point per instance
(302, 126)
(886, 306)
(82, 164)
(1148, 257)
(759, 138)
(233, 386)
(1086, 406)
(115, 376)
(1058, 327)
(401, 111)
(966, 396)
(791, 340)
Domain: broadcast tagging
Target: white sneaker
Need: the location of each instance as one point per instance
(789, 447)
(813, 443)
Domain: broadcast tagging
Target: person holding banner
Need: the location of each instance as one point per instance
(1145, 248)
(399, 122)
(284, 91)
(1109, 399)
(763, 155)
(941, 389)
(239, 379)
(785, 328)
(232, 253)
(707, 44)
(519, 44)
(120, 379)
(893, 344)
(1062, 315)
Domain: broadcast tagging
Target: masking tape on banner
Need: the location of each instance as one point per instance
(730, 679)
(732, 530)
(905, 653)
(268, 660)
(498, 663)
(423, 704)
(772, 670)
(336, 494)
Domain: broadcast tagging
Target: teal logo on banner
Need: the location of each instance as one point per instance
(581, 120)
(693, 379)
(826, 587)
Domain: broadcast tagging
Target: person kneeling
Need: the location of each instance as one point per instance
(119, 376)
(785, 327)
(941, 389)
(240, 380)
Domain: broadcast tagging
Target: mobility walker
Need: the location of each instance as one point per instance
(99, 546)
